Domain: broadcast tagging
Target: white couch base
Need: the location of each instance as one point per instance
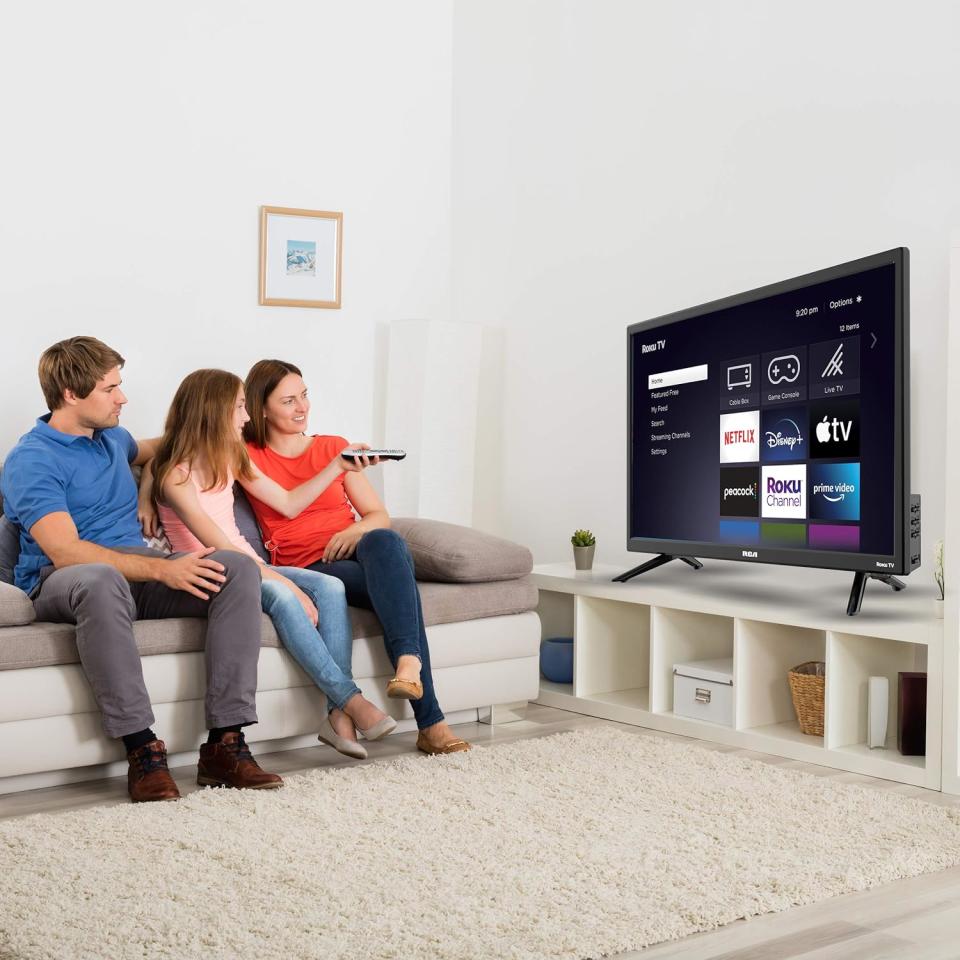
(186, 758)
(51, 733)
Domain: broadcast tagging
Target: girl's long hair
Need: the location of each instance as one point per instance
(200, 427)
(262, 380)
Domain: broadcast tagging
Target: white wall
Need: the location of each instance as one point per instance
(139, 142)
(595, 163)
(616, 160)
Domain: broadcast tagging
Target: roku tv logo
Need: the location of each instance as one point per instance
(835, 428)
(739, 437)
(784, 491)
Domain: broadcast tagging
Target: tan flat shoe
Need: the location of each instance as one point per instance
(404, 689)
(451, 746)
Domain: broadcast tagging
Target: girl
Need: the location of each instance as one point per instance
(200, 455)
(371, 560)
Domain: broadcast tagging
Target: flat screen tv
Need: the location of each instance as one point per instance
(773, 426)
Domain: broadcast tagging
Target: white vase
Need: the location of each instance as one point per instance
(938, 608)
(878, 696)
(583, 557)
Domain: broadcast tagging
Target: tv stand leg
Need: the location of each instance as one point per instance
(897, 585)
(657, 561)
(860, 585)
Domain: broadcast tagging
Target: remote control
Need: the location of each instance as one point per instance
(382, 454)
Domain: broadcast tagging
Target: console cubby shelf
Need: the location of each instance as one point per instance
(627, 638)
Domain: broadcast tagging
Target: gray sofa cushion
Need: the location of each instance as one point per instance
(49, 644)
(448, 553)
(15, 607)
(9, 541)
(9, 548)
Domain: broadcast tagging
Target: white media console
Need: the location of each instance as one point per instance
(627, 637)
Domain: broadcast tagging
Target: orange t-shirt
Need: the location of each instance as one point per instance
(301, 541)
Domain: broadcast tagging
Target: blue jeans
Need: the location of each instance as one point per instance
(381, 579)
(325, 650)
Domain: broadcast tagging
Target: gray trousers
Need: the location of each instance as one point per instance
(104, 605)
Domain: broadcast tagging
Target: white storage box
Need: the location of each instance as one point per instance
(703, 690)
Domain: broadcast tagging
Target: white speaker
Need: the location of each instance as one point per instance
(878, 701)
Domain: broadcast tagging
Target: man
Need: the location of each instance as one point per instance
(67, 485)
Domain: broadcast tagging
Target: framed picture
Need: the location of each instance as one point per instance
(300, 257)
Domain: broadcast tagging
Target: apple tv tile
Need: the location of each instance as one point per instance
(834, 536)
(835, 429)
(784, 375)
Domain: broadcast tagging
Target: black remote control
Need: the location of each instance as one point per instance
(382, 454)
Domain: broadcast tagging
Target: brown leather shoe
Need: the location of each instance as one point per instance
(230, 763)
(450, 746)
(148, 778)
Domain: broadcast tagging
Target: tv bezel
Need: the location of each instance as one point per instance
(896, 563)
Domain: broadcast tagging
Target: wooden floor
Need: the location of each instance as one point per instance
(915, 919)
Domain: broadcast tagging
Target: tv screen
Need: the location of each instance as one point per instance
(772, 426)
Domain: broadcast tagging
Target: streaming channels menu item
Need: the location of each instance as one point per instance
(784, 491)
(740, 385)
(783, 434)
(835, 429)
(835, 491)
(739, 491)
(835, 368)
(784, 375)
(739, 437)
(834, 536)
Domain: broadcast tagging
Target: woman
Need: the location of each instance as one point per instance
(200, 455)
(372, 561)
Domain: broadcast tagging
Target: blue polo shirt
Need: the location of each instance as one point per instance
(87, 477)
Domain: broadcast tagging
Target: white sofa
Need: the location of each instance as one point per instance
(482, 627)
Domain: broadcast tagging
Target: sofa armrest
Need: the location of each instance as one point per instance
(449, 553)
(16, 607)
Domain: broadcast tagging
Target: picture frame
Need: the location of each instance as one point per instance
(300, 257)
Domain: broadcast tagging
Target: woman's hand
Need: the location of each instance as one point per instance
(309, 608)
(146, 511)
(147, 515)
(356, 464)
(343, 545)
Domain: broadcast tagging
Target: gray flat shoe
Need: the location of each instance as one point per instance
(349, 748)
(379, 729)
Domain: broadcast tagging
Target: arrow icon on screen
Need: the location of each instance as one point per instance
(872, 334)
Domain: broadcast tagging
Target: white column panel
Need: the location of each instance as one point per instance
(432, 390)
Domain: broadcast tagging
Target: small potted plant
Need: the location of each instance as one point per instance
(938, 577)
(584, 543)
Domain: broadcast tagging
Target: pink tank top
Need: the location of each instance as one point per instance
(218, 505)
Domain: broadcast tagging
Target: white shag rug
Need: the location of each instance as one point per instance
(570, 846)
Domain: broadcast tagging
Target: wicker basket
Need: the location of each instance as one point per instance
(806, 688)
